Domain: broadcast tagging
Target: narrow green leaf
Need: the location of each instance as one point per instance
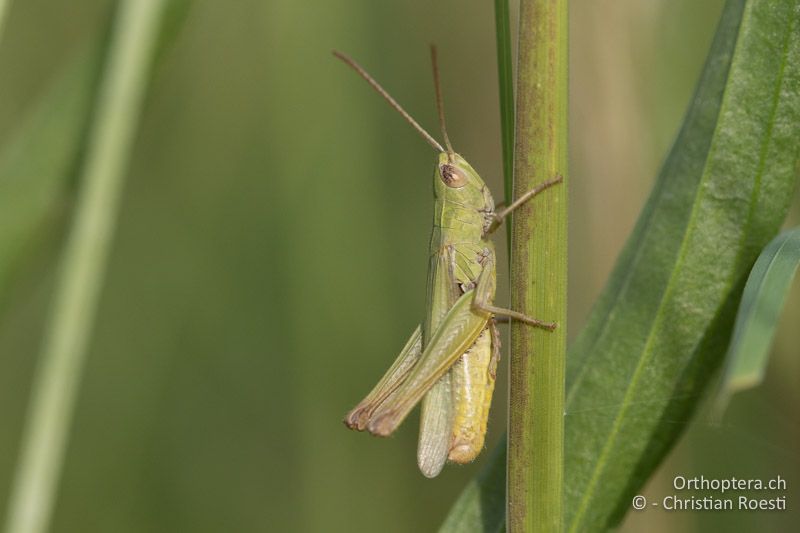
(505, 77)
(115, 115)
(35, 165)
(82, 266)
(661, 327)
(647, 362)
(482, 504)
(762, 301)
(39, 161)
(3, 12)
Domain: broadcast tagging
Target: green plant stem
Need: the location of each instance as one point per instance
(539, 273)
(83, 266)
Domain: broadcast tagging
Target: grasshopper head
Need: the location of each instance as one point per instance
(455, 180)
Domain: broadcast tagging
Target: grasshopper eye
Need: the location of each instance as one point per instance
(452, 176)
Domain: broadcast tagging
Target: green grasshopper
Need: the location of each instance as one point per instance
(450, 361)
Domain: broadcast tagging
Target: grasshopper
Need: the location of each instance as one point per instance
(450, 361)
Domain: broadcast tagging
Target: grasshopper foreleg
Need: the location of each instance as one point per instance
(499, 216)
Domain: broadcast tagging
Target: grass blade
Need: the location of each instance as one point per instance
(3, 13)
(31, 186)
(481, 507)
(762, 301)
(505, 77)
(39, 162)
(83, 266)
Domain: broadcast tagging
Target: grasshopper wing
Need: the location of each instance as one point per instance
(436, 414)
(436, 426)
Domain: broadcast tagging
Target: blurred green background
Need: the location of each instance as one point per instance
(270, 258)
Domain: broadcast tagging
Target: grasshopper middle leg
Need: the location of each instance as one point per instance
(483, 291)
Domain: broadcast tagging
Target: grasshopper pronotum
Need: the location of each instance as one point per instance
(450, 360)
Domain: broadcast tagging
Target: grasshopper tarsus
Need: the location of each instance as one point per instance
(547, 326)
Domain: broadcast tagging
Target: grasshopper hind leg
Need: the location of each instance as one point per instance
(361, 415)
(457, 332)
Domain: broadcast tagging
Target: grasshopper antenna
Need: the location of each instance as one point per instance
(392, 102)
(439, 104)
